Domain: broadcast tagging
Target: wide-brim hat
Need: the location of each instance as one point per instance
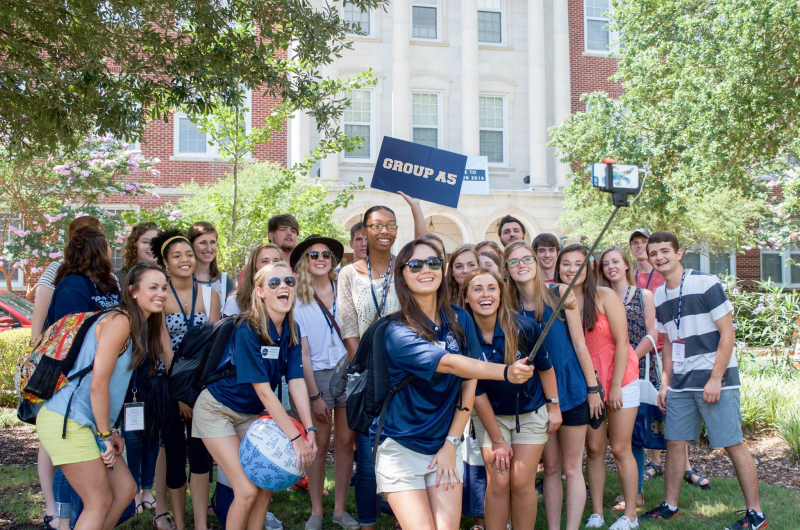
(336, 247)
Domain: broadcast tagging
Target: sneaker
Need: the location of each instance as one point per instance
(595, 521)
(623, 523)
(662, 512)
(272, 522)
(750, 520)
(314, 523)
(345, 520)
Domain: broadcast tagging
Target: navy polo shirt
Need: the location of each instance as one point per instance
(420, 415)
(255, 363)
(77, 293)
(503, 395)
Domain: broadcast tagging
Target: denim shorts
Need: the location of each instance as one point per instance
(686, 413)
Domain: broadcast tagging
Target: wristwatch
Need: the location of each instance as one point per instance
(596, 390)
(311, 429)
(553, 400)
(455, 440)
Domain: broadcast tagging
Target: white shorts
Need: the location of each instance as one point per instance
(630, 395)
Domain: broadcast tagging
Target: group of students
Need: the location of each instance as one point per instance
(471, 419)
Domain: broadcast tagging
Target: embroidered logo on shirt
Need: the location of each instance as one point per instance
(452, 343)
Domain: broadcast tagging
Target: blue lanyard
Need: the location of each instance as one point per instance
(680, 300)
(379, 308)
(650, 277)
(189, 321)
(333, 311)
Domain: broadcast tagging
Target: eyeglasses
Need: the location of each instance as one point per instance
(275, 282)
(326, 254)
(378, 227)
(514, 263)
(415, 265)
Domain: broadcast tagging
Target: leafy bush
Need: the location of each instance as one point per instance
(765, 398)
(12, 347)
(766, 318)
(788, 427)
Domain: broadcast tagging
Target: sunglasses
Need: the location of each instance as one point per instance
(326, 254)
(415, 265)
(514, 263)
(275, 282)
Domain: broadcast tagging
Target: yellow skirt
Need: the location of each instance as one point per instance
(80, 445)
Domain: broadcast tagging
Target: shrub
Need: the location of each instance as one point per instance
(766, 318)
(788, 428)
(12, 348)
(764, 397)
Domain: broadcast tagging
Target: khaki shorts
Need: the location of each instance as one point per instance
(532, 429)
(398, 468)
(212, 419)
(323, 380)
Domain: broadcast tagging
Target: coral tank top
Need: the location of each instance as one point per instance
(601, 347)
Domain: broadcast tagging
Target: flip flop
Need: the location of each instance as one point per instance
(168, 518)
(147, 505)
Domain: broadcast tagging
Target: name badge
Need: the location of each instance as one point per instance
(334, 354)
(441, 344)
(678, 352)
(134, 416)
(270, 352)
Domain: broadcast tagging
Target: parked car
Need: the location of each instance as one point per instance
(15, 311)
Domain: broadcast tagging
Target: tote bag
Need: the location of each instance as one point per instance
(648, 431)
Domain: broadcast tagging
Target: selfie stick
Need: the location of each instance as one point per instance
(620, 200)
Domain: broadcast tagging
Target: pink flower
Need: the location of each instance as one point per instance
(108, 214)
(54, 255)
(120, 239)
(84, 173)
(772, 239)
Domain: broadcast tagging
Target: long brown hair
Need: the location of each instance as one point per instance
(601, 276)
(505, 317)
(305, 287)
(130, 255)
(202, 228)
(410, 313)
(87, 253)
(455, 289)
(256, 315)
(589, 285)
(541, 294)
(145, 334)
(495, 247)
(245, 291)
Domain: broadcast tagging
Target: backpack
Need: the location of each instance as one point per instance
(368, 390)
(197, 356)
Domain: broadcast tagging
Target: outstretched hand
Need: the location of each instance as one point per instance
(520, 371)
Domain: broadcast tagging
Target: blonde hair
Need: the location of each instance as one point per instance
(601, 276)
(256, 315)
(541, 294)
(505, 316)
(305, 285)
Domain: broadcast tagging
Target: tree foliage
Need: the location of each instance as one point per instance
(75, 65)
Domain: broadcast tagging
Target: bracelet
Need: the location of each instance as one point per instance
(311, 429)
(296, 437)
(116, 430)
(103, 435)
(314, 398)
(505, 373)
(498, 442)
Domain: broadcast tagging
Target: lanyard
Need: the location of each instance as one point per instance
(333, 312)
(189, 321)
(680, 297)
(379, 308)
(649, 277)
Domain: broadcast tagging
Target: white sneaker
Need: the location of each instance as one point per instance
(595, 521)
(272, 523)
(623, 523)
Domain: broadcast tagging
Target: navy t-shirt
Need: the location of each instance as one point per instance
(255, 362)
(503, 395)
(77, 293)
(420, 415)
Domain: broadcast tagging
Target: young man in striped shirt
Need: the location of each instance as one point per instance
(700, 379)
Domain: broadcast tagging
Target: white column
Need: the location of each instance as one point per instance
(299, 137)
(561, 85)
(537, 94)
(329, 166)
(401, 86)
(470, 131)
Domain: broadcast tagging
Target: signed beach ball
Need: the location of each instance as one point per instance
(267, 455)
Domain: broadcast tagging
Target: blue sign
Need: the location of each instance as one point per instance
(420, 171)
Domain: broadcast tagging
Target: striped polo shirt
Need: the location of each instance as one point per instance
(703, 303)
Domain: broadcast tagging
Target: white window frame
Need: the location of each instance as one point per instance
(503, 26)
(18, 280)
(786, 267)
(705, 261)
(613, 36)
(118, 208)
(212, 150)
(440, 116)
(439, 21)
(504, 130)
(371, 34)
(373, 155)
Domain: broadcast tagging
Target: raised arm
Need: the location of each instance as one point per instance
(468, 368)
(420, 228)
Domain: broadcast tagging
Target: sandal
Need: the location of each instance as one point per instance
(46, 522)
(688, 476)
(167, 518)
(147, 505)
(656, 469)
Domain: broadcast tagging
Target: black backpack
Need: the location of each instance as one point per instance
(196, 358)
(368, 390)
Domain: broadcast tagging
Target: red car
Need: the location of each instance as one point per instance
(15, 311)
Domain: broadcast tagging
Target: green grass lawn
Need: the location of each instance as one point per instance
(700, 510)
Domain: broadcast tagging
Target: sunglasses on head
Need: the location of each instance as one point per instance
(275, 282)
(415, 265)
(326, 254)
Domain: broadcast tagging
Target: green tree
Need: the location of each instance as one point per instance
(75, 65)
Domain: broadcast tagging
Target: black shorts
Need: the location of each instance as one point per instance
(576, 416)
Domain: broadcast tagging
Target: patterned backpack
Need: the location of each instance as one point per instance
(43, 370)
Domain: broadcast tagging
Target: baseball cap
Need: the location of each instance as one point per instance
(640, 232)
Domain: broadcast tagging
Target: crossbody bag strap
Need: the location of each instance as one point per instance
(404, 383)
(329, 315)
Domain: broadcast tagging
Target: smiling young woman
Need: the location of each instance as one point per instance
(203, 238)
(463, 260)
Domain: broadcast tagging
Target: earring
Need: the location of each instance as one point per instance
(134, 297)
